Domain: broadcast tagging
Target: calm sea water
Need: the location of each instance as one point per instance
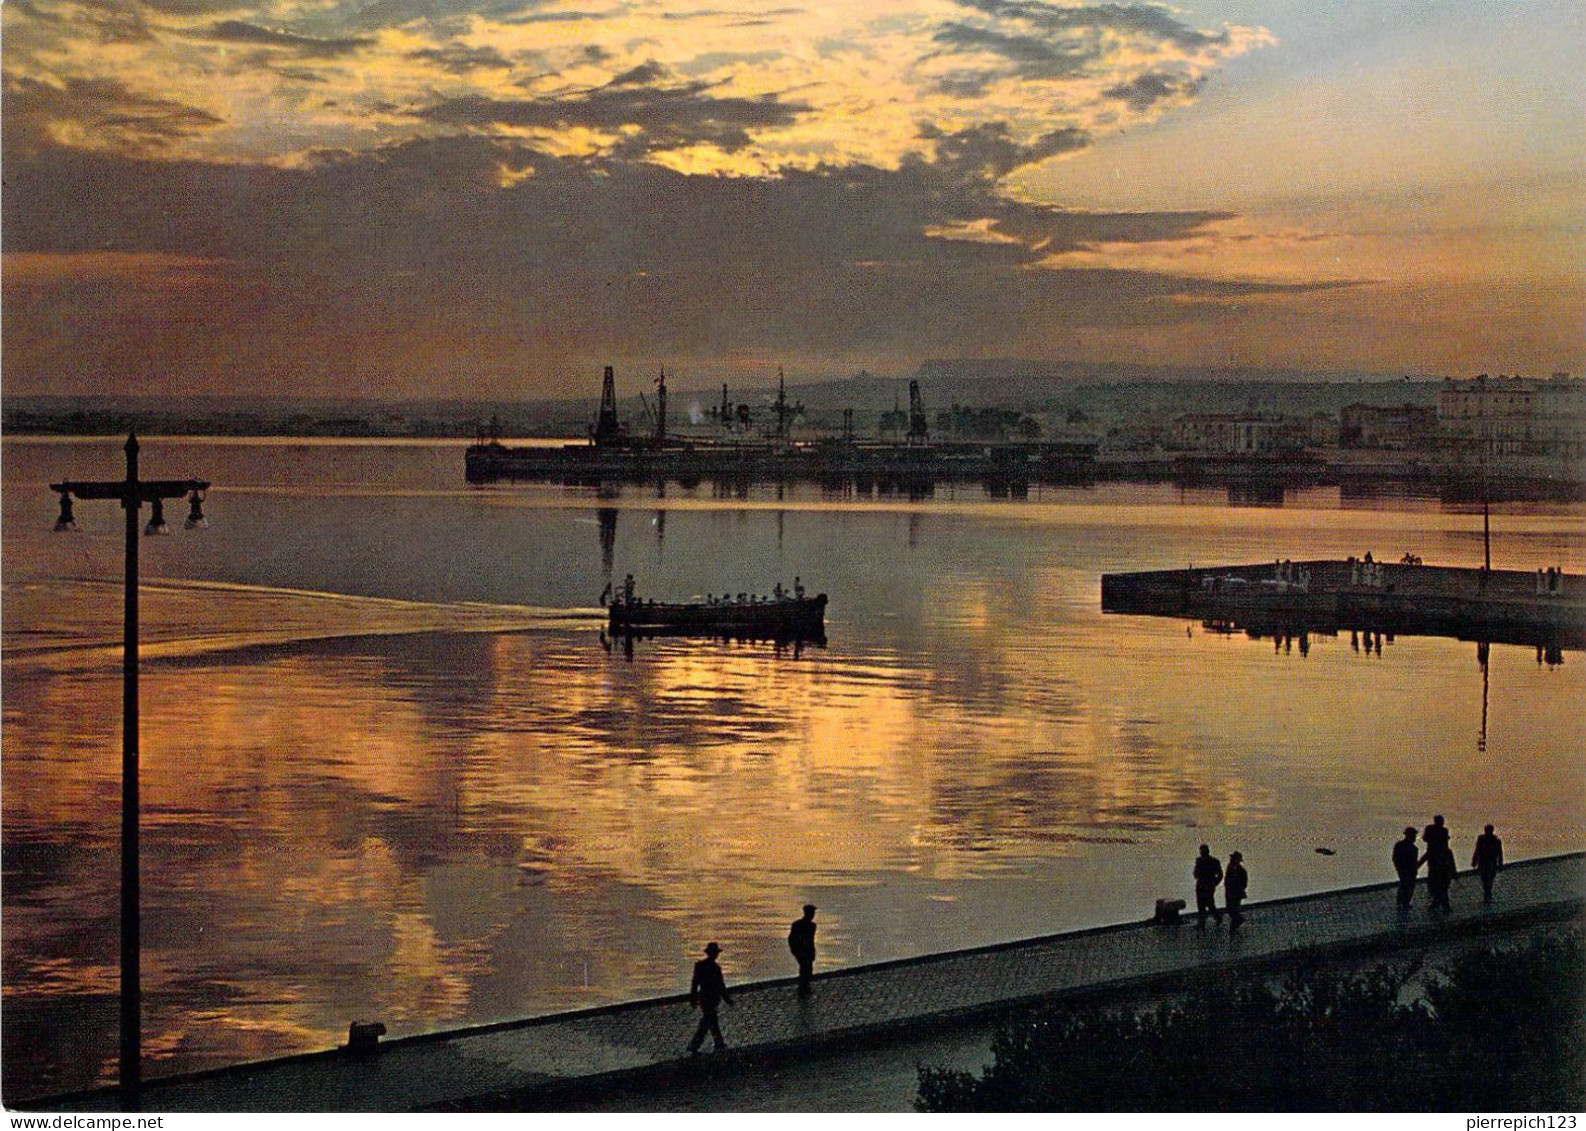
(391, 773)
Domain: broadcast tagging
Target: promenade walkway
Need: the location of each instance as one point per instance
(531, 1062)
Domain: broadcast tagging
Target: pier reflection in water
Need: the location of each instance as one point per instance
(391, 774)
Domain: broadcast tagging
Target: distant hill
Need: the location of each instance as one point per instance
(1114, 372)
(1100, 392)
(1109, 391)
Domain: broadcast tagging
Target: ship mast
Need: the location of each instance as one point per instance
(660, 409)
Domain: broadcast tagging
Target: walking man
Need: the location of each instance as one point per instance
(1208, 874)
(1488, 861)
(706, 993)
(801, 941)
(1406, 862)
(1236, 881)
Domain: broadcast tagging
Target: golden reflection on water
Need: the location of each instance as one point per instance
(435, 812)
(390, 828)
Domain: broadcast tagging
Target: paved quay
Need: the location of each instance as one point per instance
(533, 1062)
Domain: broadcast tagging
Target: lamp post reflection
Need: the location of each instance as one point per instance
(132, 493)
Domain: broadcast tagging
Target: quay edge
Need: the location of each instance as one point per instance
(1496, 606)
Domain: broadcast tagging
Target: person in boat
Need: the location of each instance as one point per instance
(627, 588)
(777, 591)
(798, 589)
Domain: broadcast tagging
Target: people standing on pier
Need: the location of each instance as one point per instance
(1236, 882)
(801, 941)
(1487, 860)
(706, 993)
(1441, 870)
(1406, 862)
(1208, 874)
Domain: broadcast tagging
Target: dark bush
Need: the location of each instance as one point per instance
(1498, 1029)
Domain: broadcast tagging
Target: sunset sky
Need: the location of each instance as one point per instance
(493, 198)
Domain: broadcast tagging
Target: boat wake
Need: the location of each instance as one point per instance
(181, 619)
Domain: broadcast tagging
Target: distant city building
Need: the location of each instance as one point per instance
(1398, 427)
(1321, 430)
(1514, 416)
(1238, 433)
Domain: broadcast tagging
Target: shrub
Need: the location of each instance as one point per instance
(1498, 1029)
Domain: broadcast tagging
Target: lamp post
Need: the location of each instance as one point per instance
(132, 493)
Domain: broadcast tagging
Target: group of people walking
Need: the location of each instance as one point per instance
(1437, 857)
(708, 989)
(707, 992)
(1434, 853)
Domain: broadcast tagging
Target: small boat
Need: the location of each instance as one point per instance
(785, 618)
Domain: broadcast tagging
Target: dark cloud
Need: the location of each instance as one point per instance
(562, 17)
(460, 58)
(737, 18)
(1138, 19)
(297, 75)
(667, 116)
(1044, 42)
(987, 152)
(193, 8)
(105, 21)
(240, 31)
(1032, 58)
(714, 60)
(645, 74)
(442, 15)
(101, 109)
(965, 84)
(412, 267)
(1144, 91)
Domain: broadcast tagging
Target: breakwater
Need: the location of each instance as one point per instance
(836, 463)
(1546, 609)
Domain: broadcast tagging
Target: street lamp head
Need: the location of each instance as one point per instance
(67, 521)
(195, 512)
(157, 524)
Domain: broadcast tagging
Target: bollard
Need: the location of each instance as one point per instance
(363, 1037)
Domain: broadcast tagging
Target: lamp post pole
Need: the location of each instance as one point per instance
(132, 493)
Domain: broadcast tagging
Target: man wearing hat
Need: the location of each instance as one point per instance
(1235, 882)
(706, 993)
(801, 941)
(1406, 862)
